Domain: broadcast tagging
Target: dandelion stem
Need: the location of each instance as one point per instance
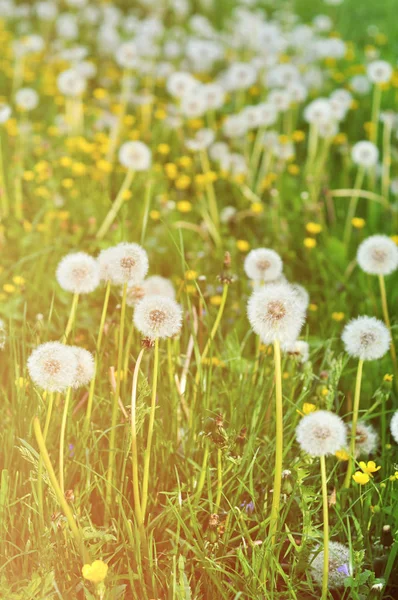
(385, 179)
(62, 439)
(219, 478)
(40, 467)
(58, 492)
(386, 317)
(5, 203)
(117, 204)
(276, 497)
(352, 207)
(325, 577)
(376, 103)
(147, 455)
(112, 440)
(71, 320)
(202, 477)
(211, 196)
(355, 413)
(134, 453)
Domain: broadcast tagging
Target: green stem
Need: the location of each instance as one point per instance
(115, 406)
(72, 316)
(147, 455)
(387, 320)
(5, 203)
(355, 413)
(211, 196)
(219, 478)
(385, 180)
(325, 577)
(276, 497)
(62, 440)
(134, 452)
(147, 205)
(116, 206)
(202, 477)
(376, 103)
(58, 492)
(40, 467)
(353, 207)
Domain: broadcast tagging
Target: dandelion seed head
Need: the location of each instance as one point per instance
(299, 349)
(53, 366)
(321, 433)
(303, 296)
(379, 71)
(275, 313)
(135, 155)
(366, 440)
(78, 273)
(378, 255)
(263, 264)
(124, 263)
(365, 154)
(3, 334)
(366, 338)
(394, 426)
(85, 367)
(158, 317)
(339, 565)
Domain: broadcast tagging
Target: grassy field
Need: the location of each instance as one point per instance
(173, 468)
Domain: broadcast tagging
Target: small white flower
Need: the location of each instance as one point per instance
(263, 264)
(78, 273)
(53, 366)
(135, 155)
(318, 111)
(85, 367)
(321, 433)
(158, 317)
(339, 564)
(379, 71)
(365, 154)
(26, 99)
(71, 83)
(180, 83)
(275, 313)
(394, 426)
(366, 338)
(124, 263)
(378, 255)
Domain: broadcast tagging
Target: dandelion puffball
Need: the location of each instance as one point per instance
(321, 433)
(366, 439)
(394, 426)
(263, 264)
(366, 338)
(26, 99)
(275, 313)
(158, 317)
(135, 156)
(379, 71)
(85, 367)
(124, 263)
(365, 154)
(378, 255)
(78, 273)
(71, 83)
(299, 349)
(53, 366)
(339, 565)
(3, 334)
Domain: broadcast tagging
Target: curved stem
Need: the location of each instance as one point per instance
(134, 453)
(62, 439)
(355, 413)
(116, 206)
(147, 456)
(276, 497)
(325, 577)
(72, 316)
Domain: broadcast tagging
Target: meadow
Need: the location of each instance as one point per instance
(198, 300)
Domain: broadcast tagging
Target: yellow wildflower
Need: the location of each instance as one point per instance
(361, 478)
(96, 572)
(369, 468)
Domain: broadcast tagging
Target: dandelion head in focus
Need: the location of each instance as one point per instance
(53, 366)
(321, 433)
(158, 317)
(378, 255)
(339, 565)
(366, 338)
(85, 367)
(124, 263)
(275, 313)
(78, 273)
(263, 264)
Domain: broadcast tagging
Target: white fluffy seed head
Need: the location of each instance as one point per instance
(158, 317)
(53, 366)
(303, 296)
(78, 273)
(339, 565)
(378, 255)
(394, 426)
(275, 313)
(85, 367)
(299, 350)
(263, 264)
(366, 338)
(366, 440)
(124, 263)
(152, 286)
(3, 334)
(321, 433)
(365, 154)
(135, 155)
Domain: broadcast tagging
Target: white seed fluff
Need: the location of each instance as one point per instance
(339, 565)
(378, 255)
(365, 154)
(394, 426)
(3, 334)
(299, 349)
(321, 433)
(275, 313)
(78, 273)
(263, 264)
(85, 367)
(135, 155)
(366, 439)
(159, 286)
(302, 295)
(366, 338)
(158, 317)
(124, 263)
(53, 366)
